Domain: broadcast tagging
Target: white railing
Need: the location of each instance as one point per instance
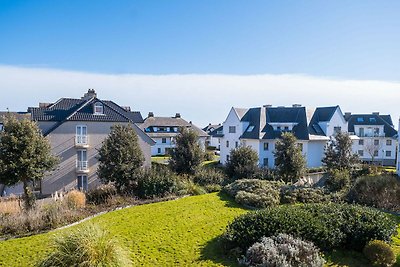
(372, 135)
(82, 165)
(81, 140)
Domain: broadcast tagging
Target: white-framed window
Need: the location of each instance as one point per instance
(388, 142)
(82, 182)
(227, 157)
(361, 132)
(82, 161)
(98, 108)
(337, 129)
(361, 153)
(266, 146)
(376, 153)
(163, 140)
(265, 162)
(232, 129)
(236, 144)
(388, 153)
(227, 143)
(361, 142)
(81, 134)
(376, 142)
(159, 150)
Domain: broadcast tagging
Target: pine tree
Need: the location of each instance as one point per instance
(187, 155)
(289, 161)
(339, 154)
(120, 157)
(25, 155)
(242, 163)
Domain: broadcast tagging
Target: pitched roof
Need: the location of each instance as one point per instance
(321, 114)
(373, 119)
(217, 132)
(211, 127)
(151, 122)
(240, 112)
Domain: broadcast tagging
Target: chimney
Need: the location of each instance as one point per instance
(44, 105)
(296, 105)
(347, 115)
(267, 106)
(375, 113)
(151, 115)
(177, 115)
(190, 122)
(90, 94)
(127, 108)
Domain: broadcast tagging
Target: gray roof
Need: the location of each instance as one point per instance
(217, 132)
(211, 127)
(241, 112)
(321, 114)
(373, 119)
(151, 122)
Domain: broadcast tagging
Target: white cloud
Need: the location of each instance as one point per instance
(201, 98)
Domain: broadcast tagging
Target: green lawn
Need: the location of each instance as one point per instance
(182, 232)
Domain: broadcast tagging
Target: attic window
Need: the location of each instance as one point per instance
(360, 119)
(372, 120)
(251, 128)
(98, 108)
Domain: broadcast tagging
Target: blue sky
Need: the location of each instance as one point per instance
(347, 39)
(202, 57)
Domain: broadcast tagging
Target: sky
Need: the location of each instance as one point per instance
(200, 58)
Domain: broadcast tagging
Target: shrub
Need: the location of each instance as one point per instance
(338, 180)
(255, 193)
(157, 181)
(209, 155)
(283, 250)
(243, 163)
(212, 188)
(75, 199)
(377, 191)
(329, 226)
(209, 176)
(101, 194)
(185, 186)
(86, 246)
(379, 253)
(292, 194)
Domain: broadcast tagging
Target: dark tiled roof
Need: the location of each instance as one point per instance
(217, 132)
(256, 119)
(151, 122)
(211, 127)
(322, 114)
(373, 119)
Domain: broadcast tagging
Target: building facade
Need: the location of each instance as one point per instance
(377, 142)
(215, 134)
(163, 131)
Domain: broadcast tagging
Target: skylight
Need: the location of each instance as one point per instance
(360, 119)
(251, 128)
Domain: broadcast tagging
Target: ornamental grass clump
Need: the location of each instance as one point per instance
(87, 246)
(379, 253)
(283, 251)
(75, 199)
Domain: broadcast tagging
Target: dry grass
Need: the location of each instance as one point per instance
(10, 206)
(75, 199)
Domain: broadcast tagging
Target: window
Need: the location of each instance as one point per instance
(251, 128)
(265, 162)
(227, 157)
(164, 140)
(1, 127)
(266, 146)
(236, 144)
(161, 129)
(286, 128)
(376, 142)
(98, 108)
(175, 129)
(278, 128)
(359, 119)
(361, 130)
(82, 161)
(300, 145)
(337, 129)
(361, 153)
(147, 130)
(389, 142)
(376, 131)
(232, 129)
(361, 142)
(376, 153)
(159, 150)
(81, 134)
(372, 120)
(82, 182)
(388, 153)
(227, 143)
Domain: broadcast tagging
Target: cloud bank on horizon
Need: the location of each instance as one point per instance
(201, 98)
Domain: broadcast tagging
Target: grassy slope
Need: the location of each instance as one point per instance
(180, 232)
(176, 233)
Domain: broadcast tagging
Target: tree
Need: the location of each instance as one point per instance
(289, 161)
(25, 155)
(120, 157)
(187, 155)
(339, 154)
(372, 146)
(242, 163)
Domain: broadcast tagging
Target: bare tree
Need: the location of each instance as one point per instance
(372, 146)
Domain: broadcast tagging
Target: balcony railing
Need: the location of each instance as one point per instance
(372, 135)
(82, 166)
(82, 140)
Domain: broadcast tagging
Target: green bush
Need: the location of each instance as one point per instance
(293, 194)
(254, 192)
(101, 194)
(209, 176)
(209, 155)
(377, 191)
(338, 180)
(243, 163)
(329, 226)
(87, 246)
(185, 186)
(157, 181)
(379, 253)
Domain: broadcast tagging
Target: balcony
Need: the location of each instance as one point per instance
(371, 135)
(82, 166)
(82, 141)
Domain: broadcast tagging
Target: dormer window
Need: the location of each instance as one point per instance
(98, 108)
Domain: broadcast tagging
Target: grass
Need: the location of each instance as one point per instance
(160, 159)
(182, 232)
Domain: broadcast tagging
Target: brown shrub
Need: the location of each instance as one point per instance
(75, 199)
